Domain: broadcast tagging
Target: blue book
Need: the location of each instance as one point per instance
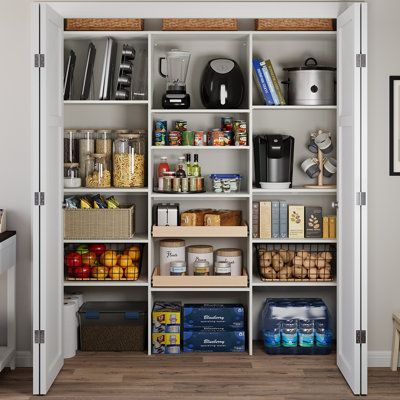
(275, 219)
(270, 84)
(261, 83)
(283, 219)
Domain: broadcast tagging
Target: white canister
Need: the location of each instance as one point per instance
(232, 256)
(199, 253)
(170, 250)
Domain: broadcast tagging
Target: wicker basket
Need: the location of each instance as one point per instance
(104, 24)
(295, 24)
(200, 24)
(117, 223)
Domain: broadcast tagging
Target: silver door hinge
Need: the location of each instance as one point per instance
(361, 336)
(39, 60)
(39, 336)
(39, 199)
(361, 60)
(361, 198)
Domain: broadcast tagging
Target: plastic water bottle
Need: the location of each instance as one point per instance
(306, 333)
(289, 333)
(272, 336)
(323, 335)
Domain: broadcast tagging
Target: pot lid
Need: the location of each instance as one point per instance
(310, 64)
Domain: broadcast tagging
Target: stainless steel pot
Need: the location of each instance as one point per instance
(311, 84)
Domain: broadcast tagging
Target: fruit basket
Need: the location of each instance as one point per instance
(102, 262)
(296, 262)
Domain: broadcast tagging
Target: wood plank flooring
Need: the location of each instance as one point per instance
(123, 376)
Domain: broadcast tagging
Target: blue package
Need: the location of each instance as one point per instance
(213, 317)
(206, 341)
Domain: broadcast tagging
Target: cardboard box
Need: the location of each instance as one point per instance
(166, 317)
(283, 219)
(296, 222)
(213, 317)
(265, 220)
(165, 343)
(332, 227)
(275, 219)
(325, 227)
(256, 219)
(313, 222)
(234, 341)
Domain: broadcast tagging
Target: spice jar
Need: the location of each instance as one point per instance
(104, 145)
(86, 147)
(129, 160)
(201, 268)
(71, 146)
(170, 250)
(222, 268)
(199, 253)
(177, 268)
(97, 174)
(233, 257)
(71, 175)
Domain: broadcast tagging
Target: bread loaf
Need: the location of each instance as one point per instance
(194, 217)
(223, 218)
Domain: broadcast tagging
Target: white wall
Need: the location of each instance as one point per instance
(383, 196)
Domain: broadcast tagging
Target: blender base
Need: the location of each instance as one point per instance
(176, 101)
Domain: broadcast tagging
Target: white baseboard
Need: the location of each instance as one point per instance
(23, 359)
(380, 359)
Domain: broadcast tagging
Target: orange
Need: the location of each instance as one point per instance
(116, 273)
(132, 273)
(99, 272)
(109, 258)
(124, 261)
(133, 252)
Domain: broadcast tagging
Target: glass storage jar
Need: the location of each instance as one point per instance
(71, 146)
(86, 147)
(72, 177)
(97, 174)
(129, 160)
(104, 144)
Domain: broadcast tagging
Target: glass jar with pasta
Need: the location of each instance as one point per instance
(129, 160)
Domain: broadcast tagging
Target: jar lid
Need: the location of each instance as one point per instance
(178, 268)
(201, 269)
(222, 270)
(71, 165)
(104, 130)
(177, 263)
(172, 243)
(310, 64)
(70, 131)
(229, 252)
(200, 249)
(121, 131)
(201, 264)
(86, 131)
(128, 135)
(98, 155)
(222, 264)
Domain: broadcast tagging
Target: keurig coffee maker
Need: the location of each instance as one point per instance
(273, 159)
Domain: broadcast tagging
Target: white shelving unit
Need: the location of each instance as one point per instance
(345, 295)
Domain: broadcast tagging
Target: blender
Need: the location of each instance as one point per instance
(177, 66)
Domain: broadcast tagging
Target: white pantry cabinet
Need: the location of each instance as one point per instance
(346, 48)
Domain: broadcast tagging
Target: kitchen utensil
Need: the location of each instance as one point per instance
(310, 167)
(69, 75)
(87, 80)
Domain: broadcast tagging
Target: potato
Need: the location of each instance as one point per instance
(313, 256)
(285, 273)
(321, 262)
(284, 255)
(291, 255)
(298, 261)
(326, 255)
(325, 273)
(313, 273)
(268, 273)
(267, 255)
(264, 263)
(300, 272)
(308, 263)
(303, 254)
(277, 262)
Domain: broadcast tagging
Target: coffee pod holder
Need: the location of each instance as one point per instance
(320, 156)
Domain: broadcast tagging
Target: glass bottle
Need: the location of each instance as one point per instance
(196, 169)
(180, 173)
(188, 165)
(72, 177)
(104, 145)
(71, 146)
(100, 176)
(163, 166)
(86, 147)
(181, 161)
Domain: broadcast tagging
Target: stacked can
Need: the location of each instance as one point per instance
(240, 132)
(227, 128)
(160, 133)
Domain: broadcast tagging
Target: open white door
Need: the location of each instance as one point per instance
(351, 229)
(47, 220)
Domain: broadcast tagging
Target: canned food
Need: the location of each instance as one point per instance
(176, 184)
(185, 185)
(174, 138)
(167, 183)
(188, 138)
(193, 184)
(199, 138)
(161, 125)
(181, 125)
(199, 183)
(229, 138)
(160, 138)
(216, 138)
(239, 126)
(240, 139)
(226, 123)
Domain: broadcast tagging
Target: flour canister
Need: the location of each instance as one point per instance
(170, 250)
(199, 253)
(233, 256)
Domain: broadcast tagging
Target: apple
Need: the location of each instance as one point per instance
(89, 258)
(70, 272)
(99, 272)
(73, 259)
(82, 249)
(109, 258)
(98, 248)
(82, 272)
(124, 261)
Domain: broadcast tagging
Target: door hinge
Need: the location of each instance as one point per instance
(361, 60)
(361, 336)
(39, 60)
(39, 199)
(39, 336)
(361, 198)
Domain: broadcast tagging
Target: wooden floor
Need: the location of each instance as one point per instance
(122, 376)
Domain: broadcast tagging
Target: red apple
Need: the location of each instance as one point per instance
(98, 248)
(70, 272)
(82, 272)
(73, 259)
(89, 258)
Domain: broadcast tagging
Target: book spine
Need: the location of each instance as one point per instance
(275, 219)
(270, 84)
(262, 84)
(332, 227)
(256, 219)
(325, 227)
(275, 81)
(265, 219)
(283, 219)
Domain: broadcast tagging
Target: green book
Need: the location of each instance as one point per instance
(275, 82)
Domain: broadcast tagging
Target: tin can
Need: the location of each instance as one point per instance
(240, 139)
(174, 138)
(193, 184)
(176, 184)
(229, 138)
(185, 185)
(239, 126)
(160, 125)
(200, 139)
(160, 138)
(167, 183)
(215, 138)
(181, 125)
(199, 183)
(226, 123)
(188, 138)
